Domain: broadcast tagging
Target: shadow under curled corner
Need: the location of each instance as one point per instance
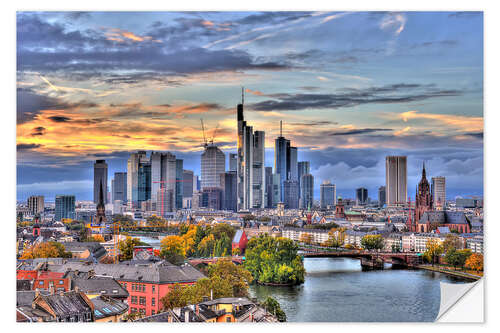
(462, 302)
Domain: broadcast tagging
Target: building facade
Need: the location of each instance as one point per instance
(213, 163)
(119, 187)
(361, 196)
(65, 207)
(307, 190)
(395, 180)
(438, 191)
(36, 204)
(229, 184)
(381, 196)
(303, 168)
(328, 194)
(100, 175)
(291, 194)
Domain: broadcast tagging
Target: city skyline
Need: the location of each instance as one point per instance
(383, 88)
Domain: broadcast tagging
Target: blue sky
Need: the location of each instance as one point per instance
(351, 88)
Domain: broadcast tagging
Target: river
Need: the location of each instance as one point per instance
(337, 290)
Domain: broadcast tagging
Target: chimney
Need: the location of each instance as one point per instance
(186, 315)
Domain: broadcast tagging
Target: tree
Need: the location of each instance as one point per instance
(172, 249)
(336, 237)
(475, 262)
(306, 238)
(433, 250)
(451, 241)
(272, 305)
(372, 242)
(457, 258)
(274, 260)
(237, 276)
(175, 297)
(126, 247)
(46, 250)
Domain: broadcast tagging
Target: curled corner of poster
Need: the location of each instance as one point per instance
(462, 303)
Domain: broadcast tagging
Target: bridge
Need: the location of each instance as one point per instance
(368, 259)
(206, 261)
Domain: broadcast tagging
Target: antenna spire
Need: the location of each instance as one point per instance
(281, 128)
(242, 95)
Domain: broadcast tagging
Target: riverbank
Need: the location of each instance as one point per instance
(443, 270)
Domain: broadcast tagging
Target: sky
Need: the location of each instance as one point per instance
(350, 87)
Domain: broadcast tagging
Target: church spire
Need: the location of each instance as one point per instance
(423, 169)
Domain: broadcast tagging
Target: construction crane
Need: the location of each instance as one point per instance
(203, 129)
(215, 133)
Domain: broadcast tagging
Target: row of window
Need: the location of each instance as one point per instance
(142, 300)
(141, 311)
(139, 287)
(41, 282)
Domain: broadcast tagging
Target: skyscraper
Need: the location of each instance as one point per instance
(133, 163)
(293, 165)
(213, 163)
(229, 186)
(361, 196)
(100, 175)
(303, 168)
(276, 191)
(187, 184)
(36, 204)
(268, 197)
(250, 164)
(163, 171)
(395, 180)
(381, 196)
(285, 161)
(291, 194)
(307, 190)
(328, 194)
(233, 162)
(438, 189)
(119, 186)
(65, 207)
(179, 177)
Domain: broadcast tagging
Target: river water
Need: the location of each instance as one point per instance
(337, 290)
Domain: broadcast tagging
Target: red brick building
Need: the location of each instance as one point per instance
(240, 241)
(44, 279)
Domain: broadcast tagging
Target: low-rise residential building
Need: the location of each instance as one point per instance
(318, 236)
(475, 244)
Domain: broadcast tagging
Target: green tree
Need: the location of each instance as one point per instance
(372, 242)
(126, 247)
(451, 241)
(172, 249)
(268, 259)
(272, 306)
(457, 258)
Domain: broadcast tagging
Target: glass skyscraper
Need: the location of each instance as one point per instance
(100, 175)
(65, 207)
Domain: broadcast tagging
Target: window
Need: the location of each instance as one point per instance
(40, 282)
(152, 312)
(142, 300)
(61, 282)
(228, 319)
(133, 287)
(143, 288)
(153, 288)
(133, 299)
(153, 301)
(142, 311)
(133, 310)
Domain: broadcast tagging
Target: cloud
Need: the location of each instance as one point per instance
(393, 21)
(59, 119)
(395, 93)
(464, 123)
(360, 131)
(22, 146)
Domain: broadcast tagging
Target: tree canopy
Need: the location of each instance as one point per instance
(46, 250)
(126, 247)
(475, 262)
(274, 260)
(372, 242)
(433, 250)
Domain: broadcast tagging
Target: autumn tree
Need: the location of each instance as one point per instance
(306, 238)
(46, 250)
(451, 241)
(126, 247)
(433, 250)
(475, 262)
(172, 249)
(237, 276)
(336, 237)
(372, 242)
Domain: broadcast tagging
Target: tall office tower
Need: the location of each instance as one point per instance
(291, 194)
(65, 207)
(212, 197)
(119, 186)
(100, 175)
(144, 182)
(258, 170)
(395, 180)
(241, 163)
(229, 186)
(282, 159)
(163, 173)
(268, 197)
(307, 190)
(36, 204)
(439, 191)
(303, 169)
(213, 163)
(179, 177)
(187, 183)
(276, 191)
(165, 201)
(133, 163)
(361, 196)
(328, 194)
(233, 162)
(250, 164)
(381, 196)
(293, 171)
(196, 183)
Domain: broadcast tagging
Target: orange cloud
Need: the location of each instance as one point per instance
(462, 123)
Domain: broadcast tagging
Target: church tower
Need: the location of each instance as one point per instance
(423, 198)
